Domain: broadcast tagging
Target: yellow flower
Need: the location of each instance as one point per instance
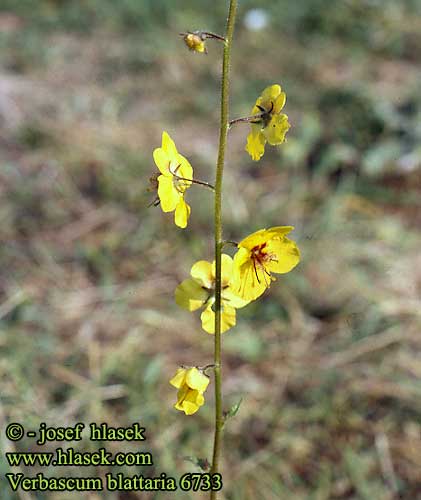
(199, 291)
(191, 384)
(271, 126)
(174, 180)
(260, 254)
(195, 41)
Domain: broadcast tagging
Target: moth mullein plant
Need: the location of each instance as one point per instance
(219, 287)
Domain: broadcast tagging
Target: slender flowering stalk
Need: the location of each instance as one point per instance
(218, 236)
(221, 287)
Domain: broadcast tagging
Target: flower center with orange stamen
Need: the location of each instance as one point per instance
(259, 254)
(262, 257)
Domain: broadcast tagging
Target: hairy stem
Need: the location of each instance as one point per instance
(219, 422)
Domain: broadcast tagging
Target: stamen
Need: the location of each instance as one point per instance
(265, 272)
(255, 271)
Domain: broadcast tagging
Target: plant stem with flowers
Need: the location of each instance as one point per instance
(223, 131)
(226, 284)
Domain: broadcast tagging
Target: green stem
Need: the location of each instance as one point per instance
(219, 422)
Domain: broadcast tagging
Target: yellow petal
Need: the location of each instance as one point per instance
(256, 145)
(197, 380)
(285, 252)
(255, 239)
(279, 231)
(232, 299)
(168, 146)
(250, 281)
(226, 269)
(279, 103)
(190, 295)
(270, 93)
(227, 318)
(162, 161)
(182, 393)
(208, 320)
(167, 193)
(182, 213)
(202, 272)
(201, 47)
(184, 170)
(181, 396)
(264, 235)
(276, 129)
(198, 398)
(179, 378)
(242, 256)
(190, 402)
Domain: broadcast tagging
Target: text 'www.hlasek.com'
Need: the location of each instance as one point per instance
(72, 461)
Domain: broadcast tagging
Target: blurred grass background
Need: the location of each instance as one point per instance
(328, 362)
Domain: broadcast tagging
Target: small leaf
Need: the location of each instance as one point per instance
(202, 463)
(232, 412)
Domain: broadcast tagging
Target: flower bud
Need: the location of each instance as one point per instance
(195, 41)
